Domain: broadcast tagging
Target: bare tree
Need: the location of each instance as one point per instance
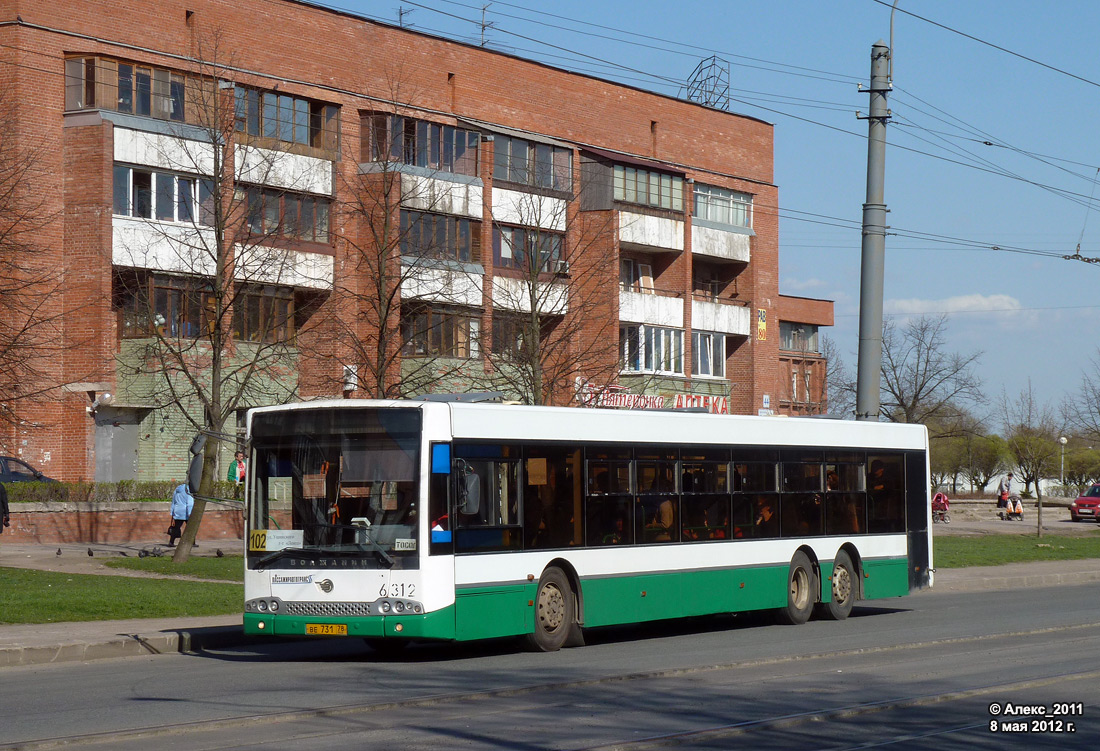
(840, 384)
(921, 381)
(405, 315)
(30, 299)
(986, 458)
(1082, 410)
(1031, 433)
(547, 329)
(210, 298)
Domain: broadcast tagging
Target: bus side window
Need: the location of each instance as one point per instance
(439, 515)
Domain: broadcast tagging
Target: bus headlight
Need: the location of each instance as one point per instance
(262, 606)
(399, 606)
(385, 607)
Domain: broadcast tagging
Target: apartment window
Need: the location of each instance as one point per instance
(419, 143)
(517, 247)
(708, 354)
(264, 314)
(105, 83)
(286, 118)
(295, 216)
(722, 206)
(648, 188)
(440, 236)
(528, 163)
(439, 332)
(798, 337)
(652, 349)
(635, 276)
(165, 196)
(512, 336)
(173, 307)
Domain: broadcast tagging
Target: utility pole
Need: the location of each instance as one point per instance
(869, 366)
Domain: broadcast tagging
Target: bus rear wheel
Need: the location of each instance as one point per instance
(554, 612)
(844, 589)
(800, 591)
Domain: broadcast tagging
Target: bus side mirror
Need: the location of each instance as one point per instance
(469, 490)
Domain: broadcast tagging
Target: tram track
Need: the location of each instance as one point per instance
(374, 714)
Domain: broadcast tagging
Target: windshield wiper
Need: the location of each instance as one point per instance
(285, 552)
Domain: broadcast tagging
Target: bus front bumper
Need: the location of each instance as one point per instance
(439, 624)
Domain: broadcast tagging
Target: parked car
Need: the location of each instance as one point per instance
(17, 470)
(1087, 505)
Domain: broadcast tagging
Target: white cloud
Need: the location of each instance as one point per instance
(804, 284)
(961, 304)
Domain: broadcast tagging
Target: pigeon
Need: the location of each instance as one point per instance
(90, 553)
(58, 552)
(219, 553)
(142, 553)
(124, 554)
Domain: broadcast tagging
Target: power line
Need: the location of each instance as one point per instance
(991, 44)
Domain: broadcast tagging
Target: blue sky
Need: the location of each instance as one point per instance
(980, 228)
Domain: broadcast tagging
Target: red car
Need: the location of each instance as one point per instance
(1087, 505)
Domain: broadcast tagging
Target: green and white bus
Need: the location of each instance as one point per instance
(407, 520)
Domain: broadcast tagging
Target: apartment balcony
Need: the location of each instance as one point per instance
(441, 282)
(184, 248)
(516, 295)
(646, 232)
(723, 316)
(529, 209)
(461, 196)
(720, 244)
(653, 307)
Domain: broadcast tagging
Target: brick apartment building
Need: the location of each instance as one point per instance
(348, 208)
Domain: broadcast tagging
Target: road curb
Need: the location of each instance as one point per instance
(184, 640)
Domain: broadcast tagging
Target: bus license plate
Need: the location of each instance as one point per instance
(326, 629)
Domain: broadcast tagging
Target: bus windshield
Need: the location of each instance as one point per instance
(334, 488)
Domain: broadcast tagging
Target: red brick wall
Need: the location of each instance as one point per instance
(144, 522)
(345, 59)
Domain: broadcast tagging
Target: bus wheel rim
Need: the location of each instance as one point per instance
(800, 588)
(842, 584)
(551, 608)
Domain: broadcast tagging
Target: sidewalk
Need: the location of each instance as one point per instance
(36, 644)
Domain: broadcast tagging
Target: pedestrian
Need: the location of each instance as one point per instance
(1004, 490)
(5, 520)
(182, 503)
(236, 473)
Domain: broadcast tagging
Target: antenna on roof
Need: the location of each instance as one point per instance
(402, 11)
(709, 83)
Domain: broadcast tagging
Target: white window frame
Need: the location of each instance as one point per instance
(656, 349)
(722, 206)
(713, 345)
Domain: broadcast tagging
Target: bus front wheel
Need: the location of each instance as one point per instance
(800, 591)
(554, 612)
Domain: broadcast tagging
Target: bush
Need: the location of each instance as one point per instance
(89, 492)
(103, 492)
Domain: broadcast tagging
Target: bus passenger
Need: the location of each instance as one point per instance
(615, 536)
(767, 523)
(660, 527)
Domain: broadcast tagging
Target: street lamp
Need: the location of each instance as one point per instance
(1062, 480)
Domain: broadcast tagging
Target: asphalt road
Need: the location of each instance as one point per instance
(912, 673)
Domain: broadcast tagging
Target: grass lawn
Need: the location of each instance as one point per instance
(992, 550)
(229, 568)
(51, 597)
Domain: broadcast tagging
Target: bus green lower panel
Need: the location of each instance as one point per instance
(629, 599)
(437, 625)
(489, 612)
(885, 578)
